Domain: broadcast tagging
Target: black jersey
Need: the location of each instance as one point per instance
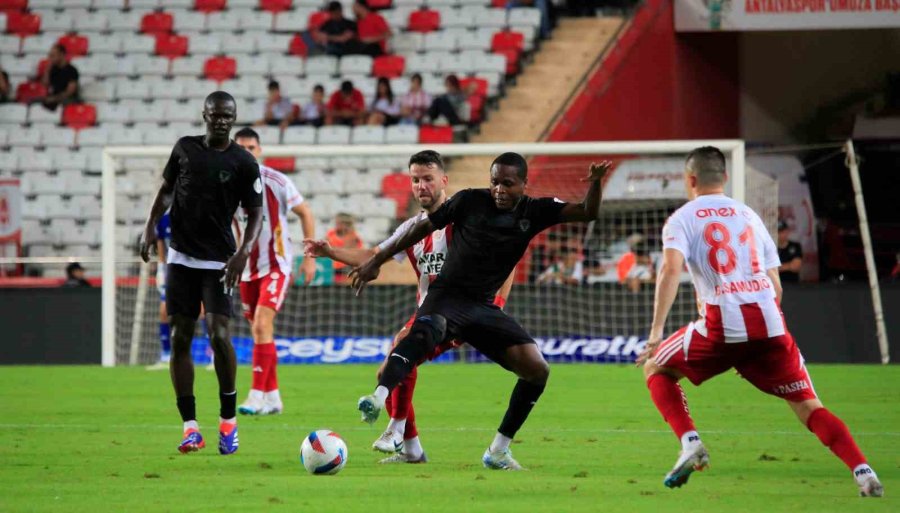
(786, 254)
(487, 242)
(209, 184)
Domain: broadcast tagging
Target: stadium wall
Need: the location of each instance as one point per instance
(656, 84)
(832, 323)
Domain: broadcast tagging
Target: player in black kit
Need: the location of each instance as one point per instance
(205, 179)
(491, 231)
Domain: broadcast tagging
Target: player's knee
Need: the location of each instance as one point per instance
(258, 331)
(650, 368)
(428, 331)
(539, 373)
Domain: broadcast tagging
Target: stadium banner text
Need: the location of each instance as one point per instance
(315, 350)
(739, 15)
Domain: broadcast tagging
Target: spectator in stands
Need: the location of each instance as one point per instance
(594, 271)
(372, 30)
(336, 36)
(277, 109)
(414, 103)
(61, 79)
(636, 267)
(313, 113)
(451, 105)
(75, 276)
(566, 270)
(385, 107)
(4, 86)
(343, 235)
(346, 106)
(790, 253)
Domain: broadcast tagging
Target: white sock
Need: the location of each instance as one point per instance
(689, 440)
(381, 394)
(862, 472)
(256, 395)
(413, 447)
(398, 427)
(500, 443)
(273, 396)
(191, 424)
(232, 420)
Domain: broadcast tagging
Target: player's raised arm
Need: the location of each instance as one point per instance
(368, 271)
(589, 209)
(160, 204)
(667, 281)
(350, 256)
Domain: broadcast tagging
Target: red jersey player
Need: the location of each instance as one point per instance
(734, 265)
(267, 275)
(429, 185)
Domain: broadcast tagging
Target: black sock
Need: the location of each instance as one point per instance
(522, 400)
(187, 407)
(227, 405)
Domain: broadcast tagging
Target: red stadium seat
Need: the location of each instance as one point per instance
(23, 24)
(512, 60)
(13, 5)
(396, 186)
(498, 3)
(208, 6)
(476, 108)
(508, 40)
(30, 91)
(316, 19)
(388, 66)
(424, 20)
(275, 5)
(75, 45)
(474, 85)
(157, 23)
(297, 46)
(79, 115)
(435, 134)
(379, 4)
(171, 45)
(283, 164)
(220, 68)
(42, 66)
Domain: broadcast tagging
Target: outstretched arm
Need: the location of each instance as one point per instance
(666, 289)
(160, 204)
(369, 270)
(589, 208)
(350, 256)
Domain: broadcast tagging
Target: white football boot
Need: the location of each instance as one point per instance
(271, 406)
(369, 408)
(871, 487)
(402, 457)
(696, 458)
(388, 442)
(500, 460)
(252, 406)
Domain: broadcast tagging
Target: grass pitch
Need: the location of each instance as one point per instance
(92, 439)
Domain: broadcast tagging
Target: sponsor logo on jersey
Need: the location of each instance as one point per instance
(524, 224)
(225, 175)
(791, 387)
(431, 263)
(716, 212)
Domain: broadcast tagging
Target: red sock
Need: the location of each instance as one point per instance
(389, 403)
(272, 357)
(669, 399)
(403, 399)
(833, 433)
(260, 367)
(411, 431)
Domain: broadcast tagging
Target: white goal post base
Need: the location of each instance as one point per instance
(734, 149)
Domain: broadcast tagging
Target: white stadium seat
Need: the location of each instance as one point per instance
(355, 64)
(299, 135)
(13, 113)
(205, 44)
(292, 21)
(151, 65)
(133, 89)
(58, 136)
(321, 65)
(98, 91)
(125, 136)
(459, 63)
(362, 182)
(141, 112)
(257, 21)
(31, 160)
(26, 65)
(425, 63)
(38, 114)
(273, 43)
(57, 21)
(88, 21)
(457, 18)
(478, 40)
(407, 42)
(139, 44)
(252, 64)
(189, 66)
(401, 134)
(114, 112)
(174, 111)
(367, 134)
(95, 136)
(335, 134)
(527, 16)
(66, 159)
(40, 44)
(161, 136)
(286, 65)
(188, 21)
(4, 131)
(268, 135)
(224, 21)
(10, 44)
(491, 62)
(443, 40)
(105, 43)
(236, 45)
(166, 88)
(125, 21)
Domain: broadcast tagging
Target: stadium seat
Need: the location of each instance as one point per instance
(143, 112)
(208, 6)
(114, 112)
(367, 134)
(275, 6)
(316, 19)
(126, 136)
(486, 17)
(424, 63)
(296, 46)
(286, 65)
(283, 164)
(57, 21)
(530, 16)
(396, 186)
(220, 68)
(357, 182)
(458, 63)
(355, 64)
(335, 134)
(240, 88)
(177, 112)
(14, 5)
(22, 23)
(105, 43)
(401, 134)
(224, 21)
(141, 44)
(18, 65)
(407, 42)
(492, 62)
(125, 21)
(299, 135)
(512, 60)
(85, 21)
(27, 92)
(256, 65)
(57, 136)
(241, 44)
(292, 21)
(478, 86)
(424, 20)
(457, 18)
(388, 66)
(508, 40)
(154, 23)
(171, 46)
(379, 4)
(10, 44)
(268, 135)
(476, 108)
(150, 65)
(435, 134)
(96, 136)
(257, 21)
(478, 40)
(133, 90)
(187, 21)
(39, 44)
(441, 41)
(33, 160)
(325, 183)
(80, 115)
(321, 65)
(205, 44)
(12, 113)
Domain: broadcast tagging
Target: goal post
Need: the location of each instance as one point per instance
(124, 282)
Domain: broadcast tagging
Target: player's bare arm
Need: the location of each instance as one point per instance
(308, 224)
(160, 204)
(235, 265)
(589, 209)
(775, 278)
(368, 271)
(348, 255)
(503, 292)
(667, 281)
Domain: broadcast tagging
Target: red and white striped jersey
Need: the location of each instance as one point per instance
(728, 251)
(427, 256)
(273, 247)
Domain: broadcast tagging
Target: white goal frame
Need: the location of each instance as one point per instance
(733, 148)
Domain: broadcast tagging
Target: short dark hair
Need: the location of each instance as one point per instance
(346, 87)
(416, 76)
(515, 160)
(219, 96)
(708, 164)
(362, 3)
(273, 84)
(247, 133)
(334, 5)
(319, 89)
(427, 158)
(60, 47)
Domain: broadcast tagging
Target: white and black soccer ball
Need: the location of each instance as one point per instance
(323, 452)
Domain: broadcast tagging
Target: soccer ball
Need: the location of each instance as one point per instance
(323, 452)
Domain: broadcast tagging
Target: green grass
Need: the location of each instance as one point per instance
(91, 439)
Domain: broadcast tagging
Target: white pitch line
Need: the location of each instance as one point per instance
(288, 427)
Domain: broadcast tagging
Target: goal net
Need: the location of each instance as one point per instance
(585, 292)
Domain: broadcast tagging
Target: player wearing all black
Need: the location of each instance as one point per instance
(491, 231)
(204, 181)
(790, 253)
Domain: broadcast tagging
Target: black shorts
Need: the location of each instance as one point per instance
(187, 287)
(481, 324)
